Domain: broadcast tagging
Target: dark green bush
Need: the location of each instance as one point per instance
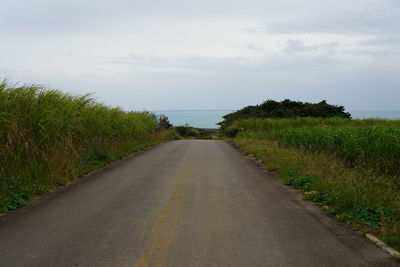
(285, 109)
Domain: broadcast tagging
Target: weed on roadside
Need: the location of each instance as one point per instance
(355, 196)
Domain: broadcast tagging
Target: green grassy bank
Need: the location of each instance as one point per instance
(49, 138)
(351, 167)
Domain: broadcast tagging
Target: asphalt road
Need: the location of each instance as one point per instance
(182, 203)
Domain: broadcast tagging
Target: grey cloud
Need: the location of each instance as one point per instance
(306, 79)
(194, 62)
(372, 53)
(86, 16)
(255, 48)
(70, 15)
(341, 23)
(377, 18)
(277, 77)
(46, 16)
(295, 45)
(145, 81)
(386, 41)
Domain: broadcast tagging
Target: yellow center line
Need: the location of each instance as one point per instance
(162, 235)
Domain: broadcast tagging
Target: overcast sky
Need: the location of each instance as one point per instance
(208, 54)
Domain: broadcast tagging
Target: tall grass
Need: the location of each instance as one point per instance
(266, 124)
(371, 144)
(48, 138)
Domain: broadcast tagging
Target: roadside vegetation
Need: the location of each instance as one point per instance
(370, 144)
(350, 167)
(49, 138)
(190, 132)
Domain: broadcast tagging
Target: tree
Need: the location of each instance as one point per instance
(163, 122)
(285, 109)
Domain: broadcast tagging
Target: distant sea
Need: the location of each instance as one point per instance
(210, 118)
(390, 115)
(196, 118)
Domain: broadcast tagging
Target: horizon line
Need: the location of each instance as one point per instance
(392, 110)
(194, 110)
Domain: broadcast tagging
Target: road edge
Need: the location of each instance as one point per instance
(391, 251)
(368, 236)
(70, 185)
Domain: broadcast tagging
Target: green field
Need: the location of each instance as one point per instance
(351, 167)
(49, 138)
